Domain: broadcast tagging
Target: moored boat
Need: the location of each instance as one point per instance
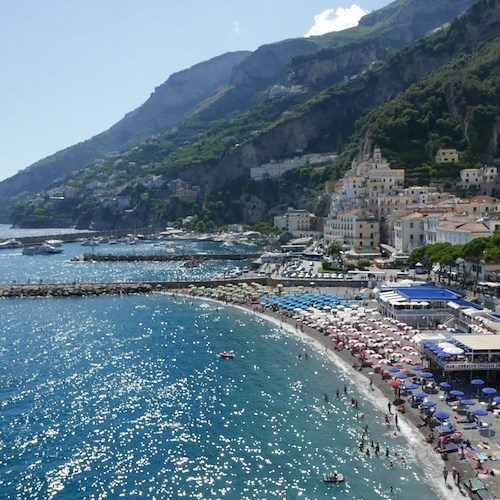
(9, 244)
(333, 477)
(44, 249)
(226, 354)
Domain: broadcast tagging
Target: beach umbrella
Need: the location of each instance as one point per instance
(479, 412)
(489, 391)
(393, 369)
(428, 404)
(411, 387)
(394, 383)
(453, 350)
(496, 399)
(443, 355)
(445, 385)
(477, 381)
(418, 368)
(427, 375)
(455, 392)
(467, 402)
(441, 415)
(420, 395)
(401, 376)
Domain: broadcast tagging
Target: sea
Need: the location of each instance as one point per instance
(127, 397)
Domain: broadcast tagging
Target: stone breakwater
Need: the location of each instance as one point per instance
(98, 257)
(72, 290)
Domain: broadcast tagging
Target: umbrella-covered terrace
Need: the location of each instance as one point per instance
(479, 352)
(421, 305)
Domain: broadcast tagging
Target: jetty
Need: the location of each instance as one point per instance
(145, 257)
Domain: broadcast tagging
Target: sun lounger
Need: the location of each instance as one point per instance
(448, 448)
(476, 486)
(469, 425)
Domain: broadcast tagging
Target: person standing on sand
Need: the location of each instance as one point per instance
(445, 474)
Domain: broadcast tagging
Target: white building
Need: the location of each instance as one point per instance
(408, 233)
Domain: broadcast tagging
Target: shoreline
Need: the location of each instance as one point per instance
(381, 394)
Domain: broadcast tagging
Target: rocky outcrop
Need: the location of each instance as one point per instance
(393, 27)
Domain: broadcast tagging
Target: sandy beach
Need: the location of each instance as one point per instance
(375, 388)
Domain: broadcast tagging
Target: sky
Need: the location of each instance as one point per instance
(69, 69)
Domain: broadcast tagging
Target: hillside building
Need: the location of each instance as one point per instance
(447, 156)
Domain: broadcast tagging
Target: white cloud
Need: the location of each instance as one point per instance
(236, 27)
(336, 20)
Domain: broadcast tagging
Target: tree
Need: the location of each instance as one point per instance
(474, 252)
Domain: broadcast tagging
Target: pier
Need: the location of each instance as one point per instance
(98, 257)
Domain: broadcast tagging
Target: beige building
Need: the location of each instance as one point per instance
(356, 228)
(295, 221)
(447, 156)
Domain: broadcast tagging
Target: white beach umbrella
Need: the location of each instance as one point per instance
(453, 350)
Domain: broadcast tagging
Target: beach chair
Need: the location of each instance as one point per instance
(475, 485)
(448, 448)
(469, 425)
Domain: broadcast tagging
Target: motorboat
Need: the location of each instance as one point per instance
(226, 354)
(54, 243)
(44, 249)
(9, 244)
(333, 477)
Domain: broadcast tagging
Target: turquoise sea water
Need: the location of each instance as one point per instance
(126, 397)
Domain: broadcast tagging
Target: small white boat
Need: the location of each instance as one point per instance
(9, 244)
(54, 243)
(333, 477)
(41, 250)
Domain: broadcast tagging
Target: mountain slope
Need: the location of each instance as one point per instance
(240, 80)
(170, 103)
(332, 113)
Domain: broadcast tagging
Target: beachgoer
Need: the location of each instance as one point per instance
(387, 421)
(371, 382)
(445, 474)
(345, 389)
(337, 392)
(389, 406)
(391, 465)
(386, 451)
(396, 419)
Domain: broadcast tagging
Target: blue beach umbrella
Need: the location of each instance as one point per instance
(496, 399)
(411, 387)
(418, 368)
(467, 402)
(445, 385)
(479, 412)
(477, 381)
(428, 404)
(455, 392)
(393, 369)
(420, 395)
(427, 375)
(401, 376)
(441, 415)
(489, 391)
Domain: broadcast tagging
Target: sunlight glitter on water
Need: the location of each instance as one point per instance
(126, 395)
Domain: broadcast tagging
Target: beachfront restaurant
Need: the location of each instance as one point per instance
(465, 353)
(423, 306)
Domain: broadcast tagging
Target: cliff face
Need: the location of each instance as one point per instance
(390, 28)
(335, 114)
